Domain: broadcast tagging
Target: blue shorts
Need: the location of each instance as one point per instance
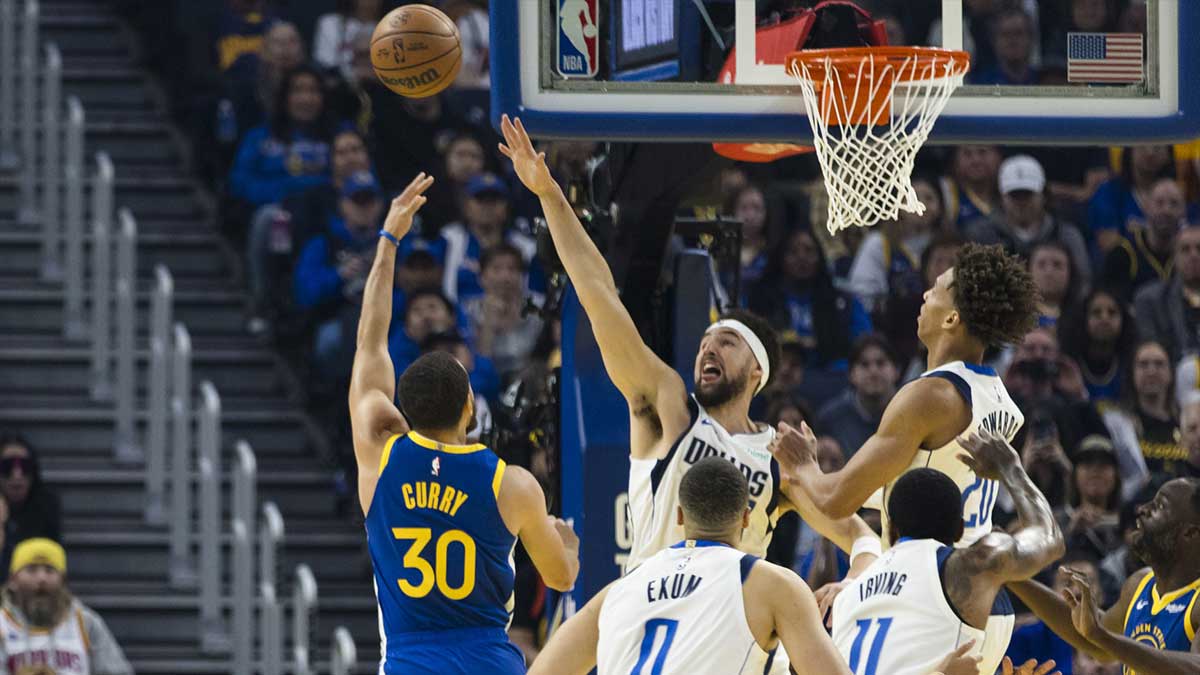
(460, 651)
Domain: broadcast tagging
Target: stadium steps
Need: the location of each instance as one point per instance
(118, 564)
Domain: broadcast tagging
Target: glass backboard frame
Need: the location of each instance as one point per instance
(763, 107)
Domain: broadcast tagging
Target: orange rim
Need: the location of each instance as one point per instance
(852, 57)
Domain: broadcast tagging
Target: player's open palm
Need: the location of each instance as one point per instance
(988, 454)
(1084, 613)
(958, 663)
(1030, 667)
(793, 448)
(400, 215)
(530, 165)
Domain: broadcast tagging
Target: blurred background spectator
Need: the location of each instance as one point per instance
(58, 632)
(33, 509)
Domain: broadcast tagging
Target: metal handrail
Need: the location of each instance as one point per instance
(52, 239)
(243, 597)
(213, 636)
(101, 282)
(270, 540)
(74, 324)
(127, 448)
(182, 566)
(270, 631)
(245, 487)
(304, 607)
(29, 100)
(8, 88)
(159, 395)
(345, 655)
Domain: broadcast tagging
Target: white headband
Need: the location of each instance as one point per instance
(756, 346)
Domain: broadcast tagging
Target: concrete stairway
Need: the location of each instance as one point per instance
(118, 565)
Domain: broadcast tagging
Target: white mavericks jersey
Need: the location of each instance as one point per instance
(992, 409)
(680, 612)
(654, 485)
(894, 619)
(63, 649)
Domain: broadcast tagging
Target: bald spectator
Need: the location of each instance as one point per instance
(44, 629)
(1168, 312)
(1146, 254)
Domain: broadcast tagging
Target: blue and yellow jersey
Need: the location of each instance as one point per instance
(1163, 622)
(441, 552)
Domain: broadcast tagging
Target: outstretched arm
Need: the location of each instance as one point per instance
(1038, 541)
(975, 574)
(572, 648)
(907, 426)
(1136, 656)
(637, 372)
(1054, 611)
(373, 416)
(841, 531)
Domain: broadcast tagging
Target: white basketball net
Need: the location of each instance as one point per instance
(868, 167)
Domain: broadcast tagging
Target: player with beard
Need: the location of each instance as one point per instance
(44, 630)
(442, 515)
(1153, 626)
(669, 430)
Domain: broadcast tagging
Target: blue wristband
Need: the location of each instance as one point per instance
(388, 235)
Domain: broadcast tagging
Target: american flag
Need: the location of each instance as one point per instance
(1105, 57)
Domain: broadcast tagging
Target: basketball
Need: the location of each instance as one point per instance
(415, 51)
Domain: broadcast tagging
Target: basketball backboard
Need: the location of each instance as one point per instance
(648, 69)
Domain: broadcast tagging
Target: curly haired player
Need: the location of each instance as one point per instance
(986, 300)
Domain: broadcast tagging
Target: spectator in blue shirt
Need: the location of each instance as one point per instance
(333, 266)
(426, 312)
(485, 224)
(797, 295)
(1118, 206)
(291, 153)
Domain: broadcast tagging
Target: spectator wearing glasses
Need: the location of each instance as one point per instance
(33, 509)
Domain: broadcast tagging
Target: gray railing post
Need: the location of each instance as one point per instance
(29, 100)
(345, 656)
(182, 568)
(52, 169)
(74, 326)
(270, 632)
(245, 497)
(270, 539)
(127, 448)
(8, 88)
(213, 636)
(243, 598)
(101, 278)
(245, 488)
(158, 394)
(304, 608)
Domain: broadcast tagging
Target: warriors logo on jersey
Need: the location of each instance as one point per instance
(1162, 621)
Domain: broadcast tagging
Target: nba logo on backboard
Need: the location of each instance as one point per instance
(578, 38)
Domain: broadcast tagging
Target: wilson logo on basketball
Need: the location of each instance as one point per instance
(413, 82)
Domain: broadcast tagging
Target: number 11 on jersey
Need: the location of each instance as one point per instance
(864, 627)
